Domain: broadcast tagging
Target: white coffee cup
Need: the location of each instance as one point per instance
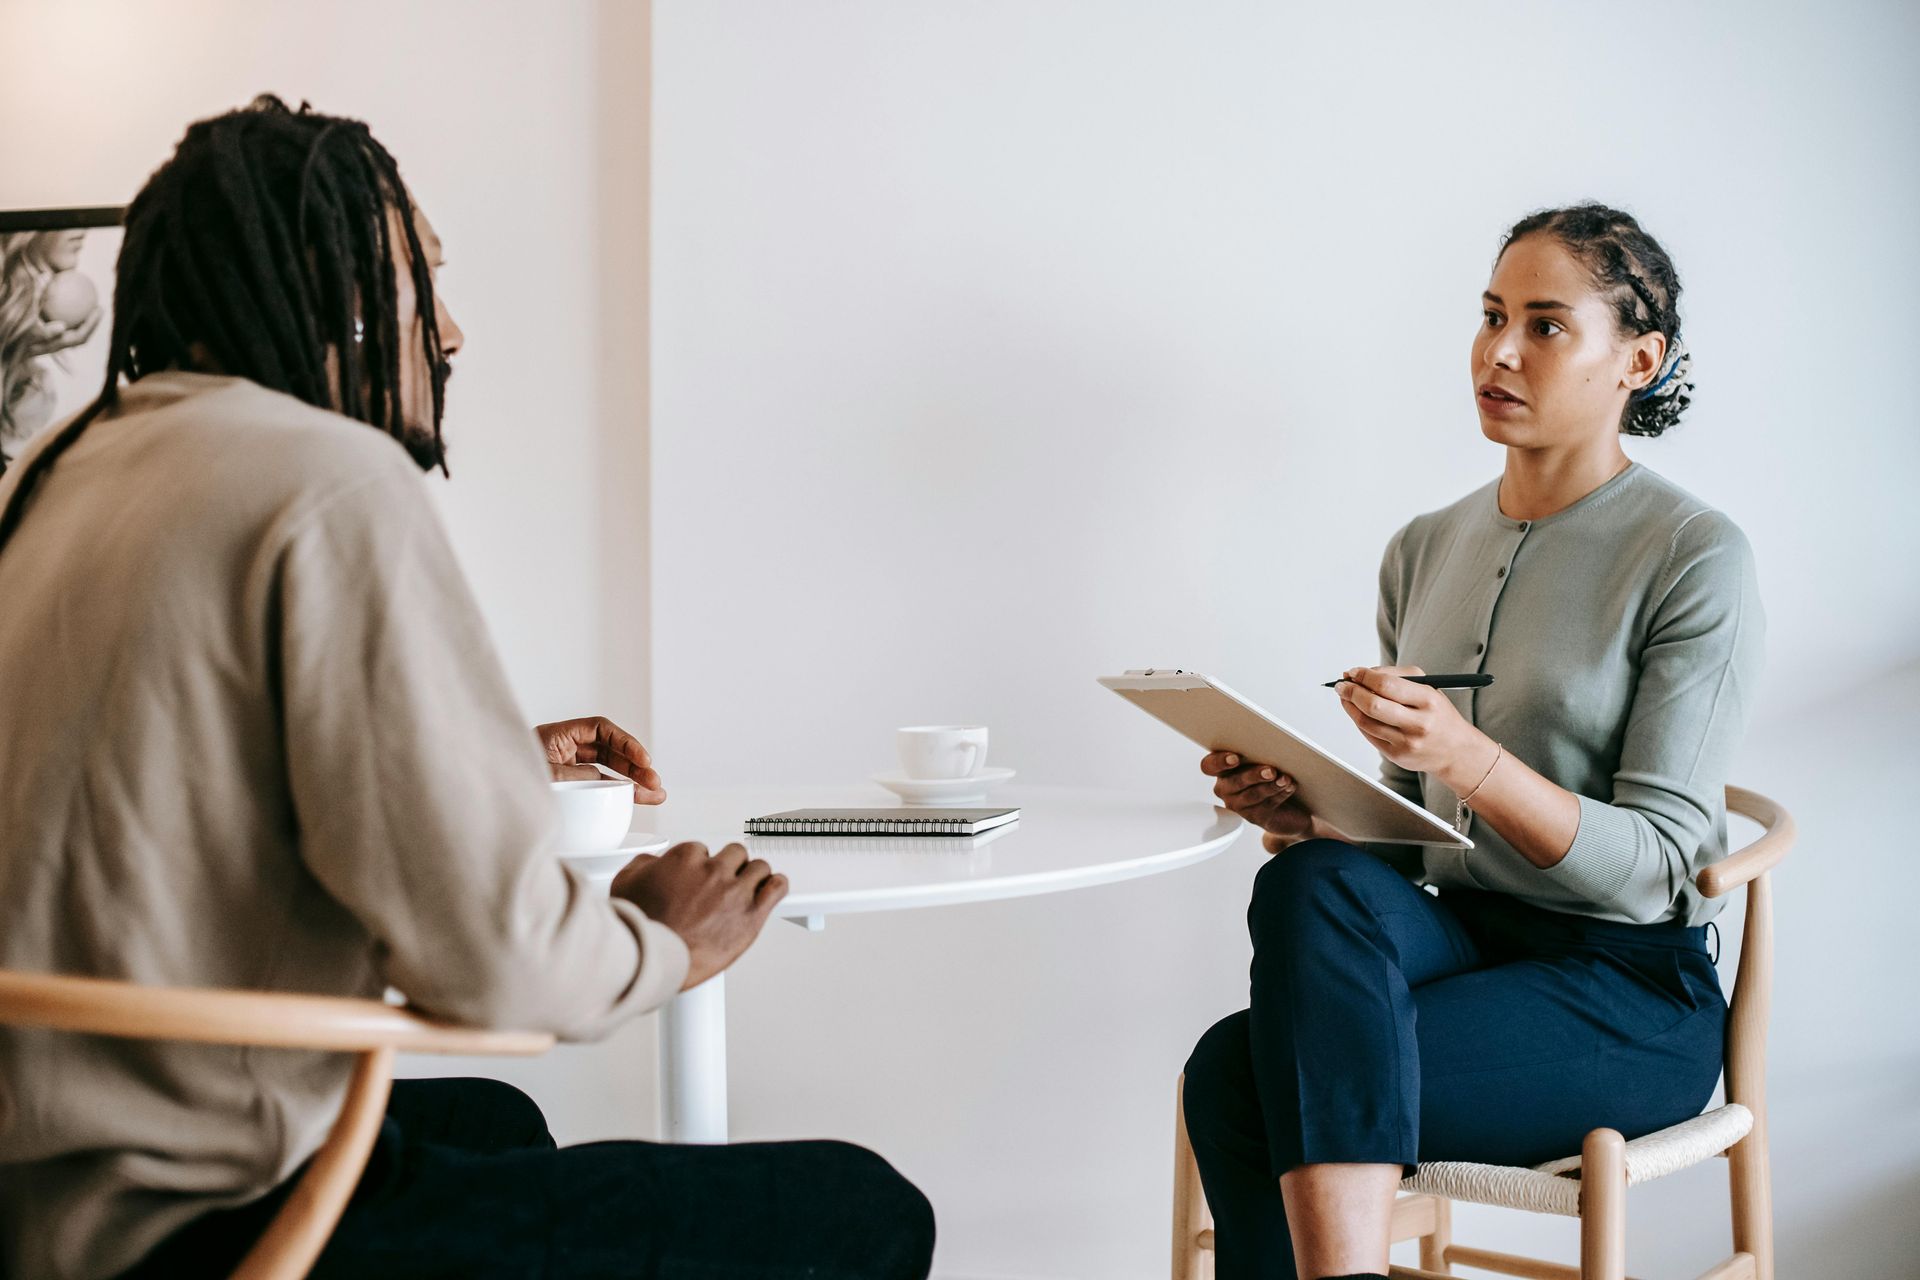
(942, 750)
(595, 813)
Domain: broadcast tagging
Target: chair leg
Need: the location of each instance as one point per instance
(299, 1232)
(1190, 1214)
(1752, 1192)
(1429, 1220)
(1603, 1206)
(1433, 1245)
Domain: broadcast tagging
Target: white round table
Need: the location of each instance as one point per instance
(1066, 838)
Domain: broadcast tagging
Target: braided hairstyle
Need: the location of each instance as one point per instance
(264, 249)
(1635, 272)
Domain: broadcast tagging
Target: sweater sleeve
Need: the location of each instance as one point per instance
(1635, 851)
(1404, 858)
(419, 791)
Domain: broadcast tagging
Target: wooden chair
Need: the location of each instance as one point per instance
(367, 1028)
(1592, 1186)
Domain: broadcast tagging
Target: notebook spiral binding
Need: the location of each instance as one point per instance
(859, 826)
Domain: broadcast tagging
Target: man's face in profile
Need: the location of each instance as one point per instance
(416, 374)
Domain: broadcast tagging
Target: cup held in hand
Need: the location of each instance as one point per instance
(942, 750)
(594, 813)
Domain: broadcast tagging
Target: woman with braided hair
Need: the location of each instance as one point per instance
(1557, 978)
(254, 734)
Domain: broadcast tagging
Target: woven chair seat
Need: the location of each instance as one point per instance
(1554, 1187)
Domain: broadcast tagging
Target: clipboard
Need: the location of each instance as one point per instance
(1214, 717)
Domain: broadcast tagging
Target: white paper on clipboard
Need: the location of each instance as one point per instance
(1214, 717)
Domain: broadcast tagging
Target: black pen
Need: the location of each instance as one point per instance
(1468, 680)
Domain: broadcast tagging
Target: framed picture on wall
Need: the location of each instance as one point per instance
(56, 303)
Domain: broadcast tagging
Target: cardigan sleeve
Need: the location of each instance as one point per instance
(1636, 849)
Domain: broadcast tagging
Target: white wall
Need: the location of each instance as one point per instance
(492, 118)
(1001, 345)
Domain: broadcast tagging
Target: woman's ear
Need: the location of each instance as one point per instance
(1644, 357)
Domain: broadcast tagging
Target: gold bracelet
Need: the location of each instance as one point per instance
(1460, 810)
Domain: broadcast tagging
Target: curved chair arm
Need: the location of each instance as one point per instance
(267, 1019)
(1757, 858)
(368, 1028)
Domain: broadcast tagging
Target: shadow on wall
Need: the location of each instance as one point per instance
(1844, 1053)
(1868, 1233)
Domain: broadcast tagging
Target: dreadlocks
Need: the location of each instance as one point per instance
(264, 249)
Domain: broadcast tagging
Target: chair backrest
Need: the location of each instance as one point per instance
(367, 1028)
(1752, 1001)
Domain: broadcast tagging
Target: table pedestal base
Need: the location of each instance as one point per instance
(693, 1064)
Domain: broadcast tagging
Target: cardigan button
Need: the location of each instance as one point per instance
(1480, 648)
(1502, 572)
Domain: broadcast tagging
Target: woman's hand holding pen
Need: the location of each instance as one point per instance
(1419, 728)
(1416, 727)
(1262, 795)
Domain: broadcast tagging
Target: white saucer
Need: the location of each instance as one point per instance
(603, 861)
(968, 790)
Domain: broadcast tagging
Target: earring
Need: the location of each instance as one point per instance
(359, 329)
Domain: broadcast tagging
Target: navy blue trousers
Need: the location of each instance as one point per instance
(1390, 1026)
(465, 1183)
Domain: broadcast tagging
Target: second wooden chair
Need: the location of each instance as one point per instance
(1592, 1186)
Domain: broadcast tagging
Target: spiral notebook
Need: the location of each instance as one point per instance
(898, 821)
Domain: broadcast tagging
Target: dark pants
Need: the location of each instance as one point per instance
(465, 1181)
(1389, 1026)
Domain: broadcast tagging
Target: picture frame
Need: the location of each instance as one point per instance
(56, 321)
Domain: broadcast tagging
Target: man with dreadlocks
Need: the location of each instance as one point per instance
(233, 635)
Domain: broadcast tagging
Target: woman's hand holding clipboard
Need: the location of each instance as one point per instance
(1398, 709)
(1312, 791)
(1262, 795)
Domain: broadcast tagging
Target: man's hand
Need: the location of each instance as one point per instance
(573, 747)
(1262, 795)
(716, 904)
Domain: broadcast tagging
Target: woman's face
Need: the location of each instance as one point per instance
(1550, 367)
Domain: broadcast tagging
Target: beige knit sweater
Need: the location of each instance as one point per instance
(253, 734)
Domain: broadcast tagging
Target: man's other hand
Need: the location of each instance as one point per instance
(573, 747)
(717, 904)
